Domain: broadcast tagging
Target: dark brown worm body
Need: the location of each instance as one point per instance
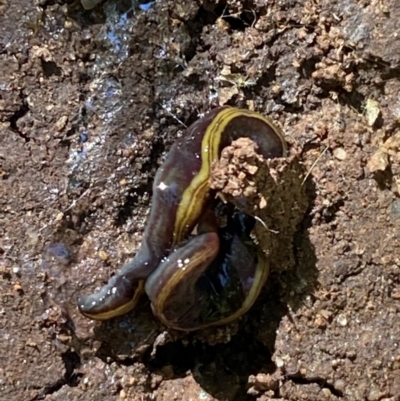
(176, 273)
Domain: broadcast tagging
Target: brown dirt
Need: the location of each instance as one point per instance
(91, 100)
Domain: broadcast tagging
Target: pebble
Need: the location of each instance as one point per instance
(372, 111)
(340, 154)
(342, 320)
(103, 255)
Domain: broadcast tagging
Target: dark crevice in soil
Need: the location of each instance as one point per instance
(240, 21)
(204, 17)
(86, 17)
(308, 66)
(21, 112)
(355, 272)
(71, 361)
(5, 274)
(50, 389)
(329, 213)
(267, 77)
(50, 68)
(125, 211)
(384, 179)
(78, 219)
(157, 150)
(391, 73)
(48, 3)
(195, 27)
(353, 99)
(321, 382)
(65, 143)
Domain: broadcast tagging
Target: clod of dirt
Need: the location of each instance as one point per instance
(387, 156)
(271, 190)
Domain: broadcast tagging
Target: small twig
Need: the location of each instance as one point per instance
(292, 316)
(313, 165)
(75, 201)
(265, 226)
(73, 204)
(173, 115)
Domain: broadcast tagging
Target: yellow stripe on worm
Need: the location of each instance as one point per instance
(196, 193)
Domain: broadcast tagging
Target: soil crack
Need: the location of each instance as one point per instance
(320, 381)
(71, 378)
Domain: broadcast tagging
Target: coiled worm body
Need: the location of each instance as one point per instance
(194, 281)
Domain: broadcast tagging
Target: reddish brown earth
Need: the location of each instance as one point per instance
(90, 102)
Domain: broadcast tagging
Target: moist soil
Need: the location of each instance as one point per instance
(91, 101)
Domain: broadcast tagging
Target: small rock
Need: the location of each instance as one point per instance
(320, 322)
(64, 338)
(342, 320)
(378, 162)
(327, 393)
(61, 123)
(372, 111)
(132, 381)
(18, 287)
(263, 203)
(339, 385)
(340, 153)
(279, 362)
(103, 255)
